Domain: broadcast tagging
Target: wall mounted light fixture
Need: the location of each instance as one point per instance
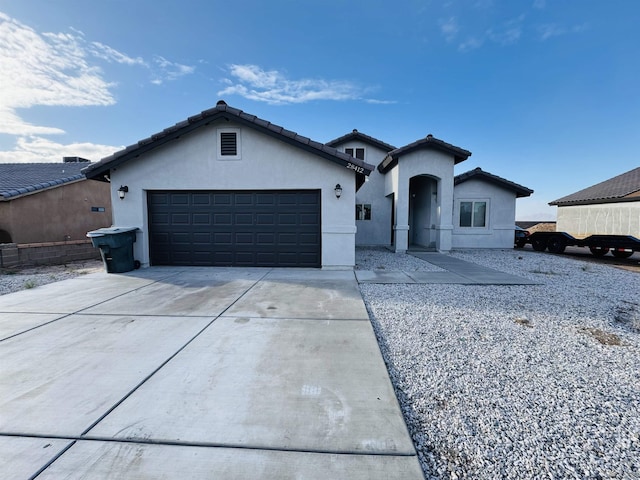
(338, 190)
(122, 191)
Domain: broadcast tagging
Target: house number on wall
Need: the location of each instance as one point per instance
(358, 169)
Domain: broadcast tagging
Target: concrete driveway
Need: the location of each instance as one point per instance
(197, 373)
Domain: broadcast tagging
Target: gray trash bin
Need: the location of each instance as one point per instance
(116, 247)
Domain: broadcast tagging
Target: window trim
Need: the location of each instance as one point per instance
(219, 155)
(473, 202)
(355, 152)
(362, 208)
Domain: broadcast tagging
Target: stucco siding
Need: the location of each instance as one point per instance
(58, 214)
(377, 230)
(439, 167)
(621, 218)
(500, 220)
(190, 163)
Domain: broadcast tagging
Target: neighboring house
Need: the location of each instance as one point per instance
(50, 202)
(484, 210)
(227, 188)
(412, 199)
(611, 207)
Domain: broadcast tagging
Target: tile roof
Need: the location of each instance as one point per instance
(616, 189)
(17, 179)
(478, 173)
(431, 142)
(359, 136)
(222, 112)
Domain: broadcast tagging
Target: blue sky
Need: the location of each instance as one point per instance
(542, 92)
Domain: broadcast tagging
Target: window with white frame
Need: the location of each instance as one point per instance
(355, 152)
(228, 144)
(473, 214)
(363, 211)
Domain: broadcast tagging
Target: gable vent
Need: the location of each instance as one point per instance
(228, 144)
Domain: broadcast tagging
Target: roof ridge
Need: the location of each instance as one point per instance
(96, 170)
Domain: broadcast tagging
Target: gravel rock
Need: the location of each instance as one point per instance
(14, 280)
(380, 258)
(517, 382)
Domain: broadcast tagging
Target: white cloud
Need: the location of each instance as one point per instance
(553, 30)
(373, 101)
(58, 70)
(449, 28)
(169, 70)
(508, 33)
(105, 52)
(540, 4)
(49, 69)
(36, 149)
(471, 43)
(254, 83)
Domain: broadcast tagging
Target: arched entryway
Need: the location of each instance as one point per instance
(423, 212)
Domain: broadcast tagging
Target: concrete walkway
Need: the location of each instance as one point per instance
(197, 373)
(457, 272)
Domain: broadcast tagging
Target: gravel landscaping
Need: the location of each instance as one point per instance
(14, 280)
(515, 382)
(500, 382)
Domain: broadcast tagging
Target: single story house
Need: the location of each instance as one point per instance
(50, 202)
(225, 188)
(611, 207)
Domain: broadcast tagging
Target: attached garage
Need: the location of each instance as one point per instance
(268, 228)
(225, 188)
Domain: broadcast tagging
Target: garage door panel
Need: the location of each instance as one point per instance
(179, 199)
(268, 239)
(242, 228)
(287, 238)
(180, 238)
(201, 238)
(288, 199)
(308, 239)
(308, 199)
(309, 219)
(243, 199)
(244, 239)
(265, 199)
(201, 219)
(287, 219)
(180, 219)
(223, 238)
(221, 199)
(265, 219)
(243, 218)
(201, 199)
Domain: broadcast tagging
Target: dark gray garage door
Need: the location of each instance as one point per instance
(235, 228)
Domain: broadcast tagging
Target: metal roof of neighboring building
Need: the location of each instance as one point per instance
(479, 174)
(223, 112)
(359, 136)
(622, 188)
(17, 179)
(429, 142)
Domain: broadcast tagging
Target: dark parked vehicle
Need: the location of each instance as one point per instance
(620, 246)
(521, 237)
